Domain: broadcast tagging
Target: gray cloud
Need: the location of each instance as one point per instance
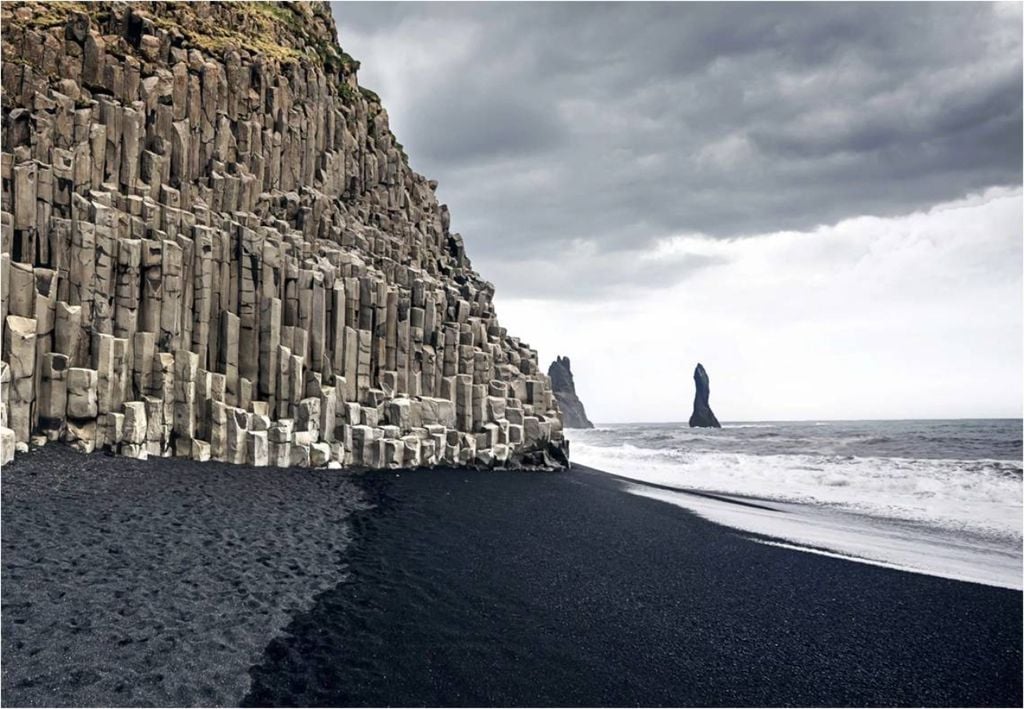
(549, 125)
(594, 276)
(493, 127)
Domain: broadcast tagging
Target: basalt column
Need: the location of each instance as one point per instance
(214, 247)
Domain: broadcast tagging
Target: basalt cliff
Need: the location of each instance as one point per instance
(214, 248)
(564, 387)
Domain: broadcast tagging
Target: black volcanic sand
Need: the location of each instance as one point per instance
(561, 589)
(157, 583)
(163, 582)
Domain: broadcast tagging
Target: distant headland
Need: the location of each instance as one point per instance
(564, 388)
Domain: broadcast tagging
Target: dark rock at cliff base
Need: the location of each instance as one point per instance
(703, 416)
(564, 389)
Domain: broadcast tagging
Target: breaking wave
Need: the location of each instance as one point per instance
(845, 468)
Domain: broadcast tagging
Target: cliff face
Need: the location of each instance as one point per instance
(213, 247)
(702, 416)
(564, 387)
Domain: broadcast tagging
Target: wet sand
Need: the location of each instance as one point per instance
(174, 583)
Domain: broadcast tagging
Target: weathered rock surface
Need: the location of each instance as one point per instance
(703, 416)
(564, 388)
(214, 247)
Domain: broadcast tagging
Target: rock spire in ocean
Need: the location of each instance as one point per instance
(214, 248)
(703, 416)
(564, 388)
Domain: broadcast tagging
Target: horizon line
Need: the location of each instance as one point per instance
(827, 420)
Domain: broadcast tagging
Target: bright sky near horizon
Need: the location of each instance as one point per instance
(821, 203)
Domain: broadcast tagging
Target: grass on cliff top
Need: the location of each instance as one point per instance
(261, 28)
(264, 27)
(53, 13)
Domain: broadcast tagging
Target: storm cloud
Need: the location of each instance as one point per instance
(820, 202)
(602, 128)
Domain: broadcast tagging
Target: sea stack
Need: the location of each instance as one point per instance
(564, 388)
(214, 248)
(703, 416)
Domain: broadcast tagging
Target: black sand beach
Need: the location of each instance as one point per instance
(158, 582)
(162, 582)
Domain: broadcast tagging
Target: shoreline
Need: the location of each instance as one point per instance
(455, 587)
(619, 600)
(912, 547)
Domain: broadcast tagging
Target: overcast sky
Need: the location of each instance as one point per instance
(820, 202)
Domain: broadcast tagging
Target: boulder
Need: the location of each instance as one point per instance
(81, 435)
(397, 412)
(81, 393)
(256, 452)
(437, 411)
(200, 450)
(135, 423)
(7, 442)
(319, 454)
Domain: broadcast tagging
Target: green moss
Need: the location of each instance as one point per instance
(276, 11)
(280, 31)
(352, 64)
(265, 21)
(370, 96)
(55, 13)
(347, 92)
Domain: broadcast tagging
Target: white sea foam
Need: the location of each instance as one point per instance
(977, 496)
(938, 497)
(861, 538)
(917, 495)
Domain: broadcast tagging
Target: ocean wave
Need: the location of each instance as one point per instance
(982, 496)
(875, 440)
(863, 439)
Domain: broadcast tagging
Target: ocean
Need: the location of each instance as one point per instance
(889, 492)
